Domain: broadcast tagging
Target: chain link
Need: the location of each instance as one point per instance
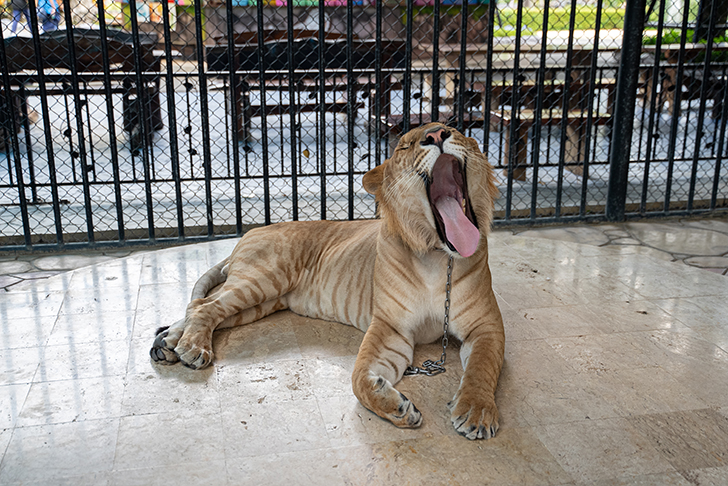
(430, 367)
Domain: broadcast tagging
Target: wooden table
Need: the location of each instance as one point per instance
(529, 59)
(693, 55)
(88, 50)
(306, 65)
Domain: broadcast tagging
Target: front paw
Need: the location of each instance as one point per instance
(194, 353)
(475, 417)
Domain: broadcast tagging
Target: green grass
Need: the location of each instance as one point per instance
(585, 18)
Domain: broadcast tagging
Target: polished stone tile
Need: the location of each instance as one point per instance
(260, 428)
(662, 479)
(564, 399)
(12, 398)
(677, 280)
(185, 264)
(265, 382)
(605, 352)
(69, 262)
(692, 311)
(95, 479)
(10, 267)
(330, 376)
(25, 332)
(640, 250)
(519, 327)
(99, 301)
(692, 439)
(588, 235)
(596, 338)
(30, 304)
(269, 339)
(573, 320)
(711, 476)
(691, 241)
(52, 452)
(72, 401)
(677, 350)
(593, 450)
(40, 282)
(86, 360)
(19, 365)
(211, 473)
(530, 294)
(535, 360)
(633, 315)
(89, 328)
(167, 439)
(515, 457)
(302, 468)
(708, 224)
(636, 391)
(118, 273)
(318, 339)
(176, 389)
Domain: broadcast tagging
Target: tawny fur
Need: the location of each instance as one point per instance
(385, 277)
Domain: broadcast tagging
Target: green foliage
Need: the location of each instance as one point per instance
(672, 36)
(585, 18)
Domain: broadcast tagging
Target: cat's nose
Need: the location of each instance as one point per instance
(436, 137)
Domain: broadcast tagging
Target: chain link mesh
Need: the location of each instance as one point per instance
(142, 135)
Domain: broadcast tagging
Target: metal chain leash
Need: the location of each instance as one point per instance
(430, 367)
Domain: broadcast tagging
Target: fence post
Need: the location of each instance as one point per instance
(634, 21)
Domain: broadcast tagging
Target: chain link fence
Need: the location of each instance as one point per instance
(128, 122)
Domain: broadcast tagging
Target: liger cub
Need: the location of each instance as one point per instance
(386, 277)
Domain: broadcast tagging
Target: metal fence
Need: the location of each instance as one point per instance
(145, 122)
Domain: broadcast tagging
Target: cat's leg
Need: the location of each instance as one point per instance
(383, 357)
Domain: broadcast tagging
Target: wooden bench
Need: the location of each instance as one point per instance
(575, 150)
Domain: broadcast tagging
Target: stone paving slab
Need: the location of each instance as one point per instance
(701, 243)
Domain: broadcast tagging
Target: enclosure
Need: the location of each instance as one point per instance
(152, 122)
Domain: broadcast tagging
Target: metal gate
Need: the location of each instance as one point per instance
(147, 122)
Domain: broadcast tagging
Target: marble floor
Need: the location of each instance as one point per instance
(616, 372)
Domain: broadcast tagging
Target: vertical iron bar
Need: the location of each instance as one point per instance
(540, 81)
(141, 101)
(32, 7)
(263, 116)
(590, 108)
(204, 114)
(235, 93)
(721, 142)
(292, 109)
(701, 109)
(13, 134)
(85, 102)
(435, 87)
(565, 110)
(322, 108)
(379, 86)
(653, 109)
(634, 20)
(463, 61)
(406, 107)
(172, 119)
(515, 116)
(488, 79)
(28, 141)
(351, 99)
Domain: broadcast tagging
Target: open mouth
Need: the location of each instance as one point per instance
(454, 218)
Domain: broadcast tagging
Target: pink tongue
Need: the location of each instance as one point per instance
(460, 232)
